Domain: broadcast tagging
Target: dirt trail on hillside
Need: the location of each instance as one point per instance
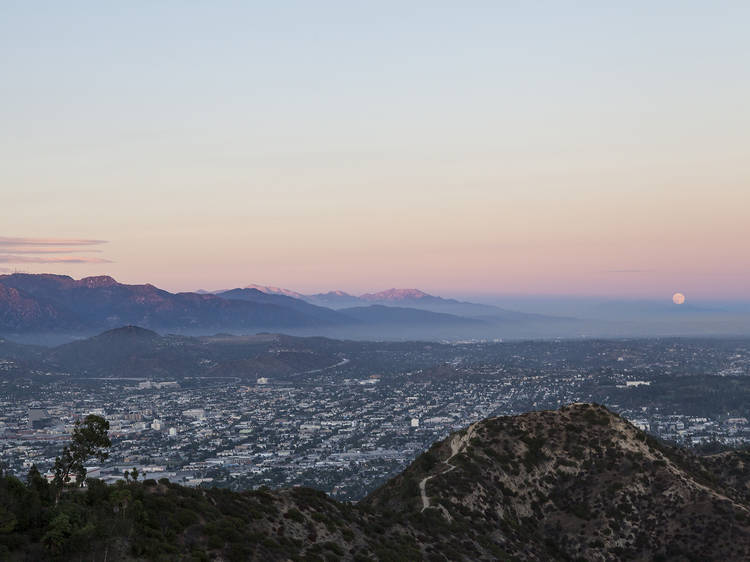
(458, 445)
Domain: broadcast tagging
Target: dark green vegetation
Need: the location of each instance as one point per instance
(579, 483)
(130, 350)
(160, 521)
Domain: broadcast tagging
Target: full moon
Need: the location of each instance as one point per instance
(678, 298)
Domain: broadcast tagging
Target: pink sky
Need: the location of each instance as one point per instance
(498, 150)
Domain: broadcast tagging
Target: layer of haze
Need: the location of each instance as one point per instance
(592, 148)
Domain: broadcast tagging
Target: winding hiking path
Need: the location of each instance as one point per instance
(458, 445)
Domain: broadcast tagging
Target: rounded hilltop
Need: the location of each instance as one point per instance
(556, 484)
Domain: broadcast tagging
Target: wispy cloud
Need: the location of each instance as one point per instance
(36, 250)
(14, 241)
(19, 250)
(6, 258)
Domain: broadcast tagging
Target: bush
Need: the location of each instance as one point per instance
(295, 515)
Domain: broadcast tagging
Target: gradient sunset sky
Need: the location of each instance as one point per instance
(582, 148)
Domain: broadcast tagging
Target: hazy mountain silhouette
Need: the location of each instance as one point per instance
(132, 351)
(316, 313)
(48, 303)
(57, 302)
(380, 314)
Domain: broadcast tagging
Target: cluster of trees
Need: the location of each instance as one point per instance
(38, 517)
(30, 519)
(95, 522)
(63, 519)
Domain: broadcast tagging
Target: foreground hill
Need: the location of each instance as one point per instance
(579, 483)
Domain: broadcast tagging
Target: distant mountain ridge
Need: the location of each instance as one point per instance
(404, 298)
(381, 314)
(334, 299)
(398, 295)
(47, 303)
(389, 297)
(412, 298)
(276, 291)
(279, 298)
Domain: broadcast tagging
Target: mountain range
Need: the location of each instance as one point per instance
(48, 308)
(578, 483)
(58, 304)
(404, 298)
(42, 303)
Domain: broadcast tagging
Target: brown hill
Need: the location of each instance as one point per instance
(577, 483)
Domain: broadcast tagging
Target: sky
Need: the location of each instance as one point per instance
(531, 148)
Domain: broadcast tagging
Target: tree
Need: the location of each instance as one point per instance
(89, 440)
(134, 474)
(120, 497)
(58, 532)
(35, 481)
(7, 520)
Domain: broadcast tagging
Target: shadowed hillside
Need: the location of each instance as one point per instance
(134, 351)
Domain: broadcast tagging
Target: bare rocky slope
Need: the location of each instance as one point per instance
(576, 483)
